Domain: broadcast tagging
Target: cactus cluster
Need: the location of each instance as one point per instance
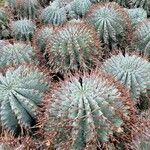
(95, 54)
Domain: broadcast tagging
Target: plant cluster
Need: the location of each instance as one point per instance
(75, 74)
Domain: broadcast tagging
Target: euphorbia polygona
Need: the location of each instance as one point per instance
(54, 14)
(21, 93)
(23, 29)
(93, 105)
(110, 21)
(132, 71)
(74, 46)
(15, 54)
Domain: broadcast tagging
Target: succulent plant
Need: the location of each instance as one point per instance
(110, 21)
(136, 15)
(132, 71)
(72, 47)
(145, 4)
(91, 104)
(15, 54)
(4, 32)
(141, 38)
(43, 36)
(23, 29)
(21, 93)
(53, 14)
(81, 7)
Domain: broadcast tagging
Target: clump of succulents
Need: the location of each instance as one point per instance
(43, 37)
(15, 54)
(72, 47)
(53, 14)
(141, 38)
(21, 93)
(132, 71)
(100, 86)
(94, 107)
(23, 29)
(4, 32)
(136, 15)
(110, 21)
